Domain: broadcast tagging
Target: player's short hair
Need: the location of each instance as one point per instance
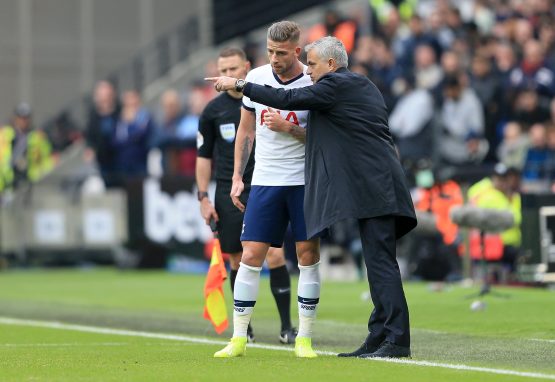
(231, 51)
(283, 31)
(330, 47)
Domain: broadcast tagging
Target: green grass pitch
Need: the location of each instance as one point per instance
(513, 339)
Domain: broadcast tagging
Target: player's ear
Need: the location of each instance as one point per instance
(298, 51)
(247, 65)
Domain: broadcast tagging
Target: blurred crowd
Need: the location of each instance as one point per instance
(469, 85)
(121, 132)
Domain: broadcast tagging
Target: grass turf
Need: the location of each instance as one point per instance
(505, 335)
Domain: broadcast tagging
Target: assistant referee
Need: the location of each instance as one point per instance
(216, 138)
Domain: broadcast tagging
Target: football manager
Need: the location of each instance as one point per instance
(351, 171)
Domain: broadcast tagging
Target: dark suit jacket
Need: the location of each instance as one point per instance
(351, 169)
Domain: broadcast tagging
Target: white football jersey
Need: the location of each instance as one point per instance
(279, 158)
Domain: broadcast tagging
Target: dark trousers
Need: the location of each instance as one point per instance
(390, 318)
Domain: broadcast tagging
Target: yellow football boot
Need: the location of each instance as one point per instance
(237, 347)
(303, 348)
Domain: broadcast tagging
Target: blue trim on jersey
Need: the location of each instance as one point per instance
(248, 108)
(287, 82)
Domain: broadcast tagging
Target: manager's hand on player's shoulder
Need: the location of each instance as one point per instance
(222, 83)
(236, 190)
(208, 211)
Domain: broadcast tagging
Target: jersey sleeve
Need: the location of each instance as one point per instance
(206, 136)
(247, 103)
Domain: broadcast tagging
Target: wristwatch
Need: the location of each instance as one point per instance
(201, 195)
(239, 85)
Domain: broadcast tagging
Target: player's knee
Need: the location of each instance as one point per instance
(252, 257)
(234, 260)
(275, 258)
(309, 256)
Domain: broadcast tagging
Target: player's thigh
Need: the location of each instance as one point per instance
(266, 216)
(275, 257)
(295, 210)
(308, 251)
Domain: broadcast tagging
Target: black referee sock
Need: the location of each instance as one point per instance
(281, 289)
(232, 276)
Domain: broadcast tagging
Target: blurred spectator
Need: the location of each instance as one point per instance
(528, 109)
(187, 129)
(382, 69)
(550, 163)
(483, 16)
(504, 62)
(437, 194)
(428, 73)
(411, 122)
(485, 84)
(133, 138)
(537, 155)
(25, 153)
(546, 36)
(523, 32)
(101, 128)
(502, 194)
(168, 139)
(62, 131)
(405, 49)
(532, 73)
(514, 146)
(335, 25)
(463, 125)
(439, 29)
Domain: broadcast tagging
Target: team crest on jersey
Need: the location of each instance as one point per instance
(227, 130)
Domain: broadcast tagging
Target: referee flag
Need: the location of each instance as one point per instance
(214, 307)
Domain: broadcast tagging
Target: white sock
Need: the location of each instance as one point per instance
(245, 294)
(309, 296)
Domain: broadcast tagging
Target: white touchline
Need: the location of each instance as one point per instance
(175, 337)
(541, 340)
(421, 330)
(61, 345)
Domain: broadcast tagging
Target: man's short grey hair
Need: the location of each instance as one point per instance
(330, 47)
(283, 31)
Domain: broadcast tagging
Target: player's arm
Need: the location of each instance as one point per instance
(319, 96)
(275, 122)
(244, 141)
(203, 173)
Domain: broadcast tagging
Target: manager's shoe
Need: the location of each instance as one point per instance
(288, 336)
(303, 348)
(365, 348)
(237, 347)
(388, 350)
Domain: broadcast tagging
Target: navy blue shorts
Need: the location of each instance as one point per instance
(269, 210)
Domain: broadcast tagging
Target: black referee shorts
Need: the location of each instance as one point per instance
(231, 218)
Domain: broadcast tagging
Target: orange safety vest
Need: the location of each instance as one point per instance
(439, 200)
(344, 31)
